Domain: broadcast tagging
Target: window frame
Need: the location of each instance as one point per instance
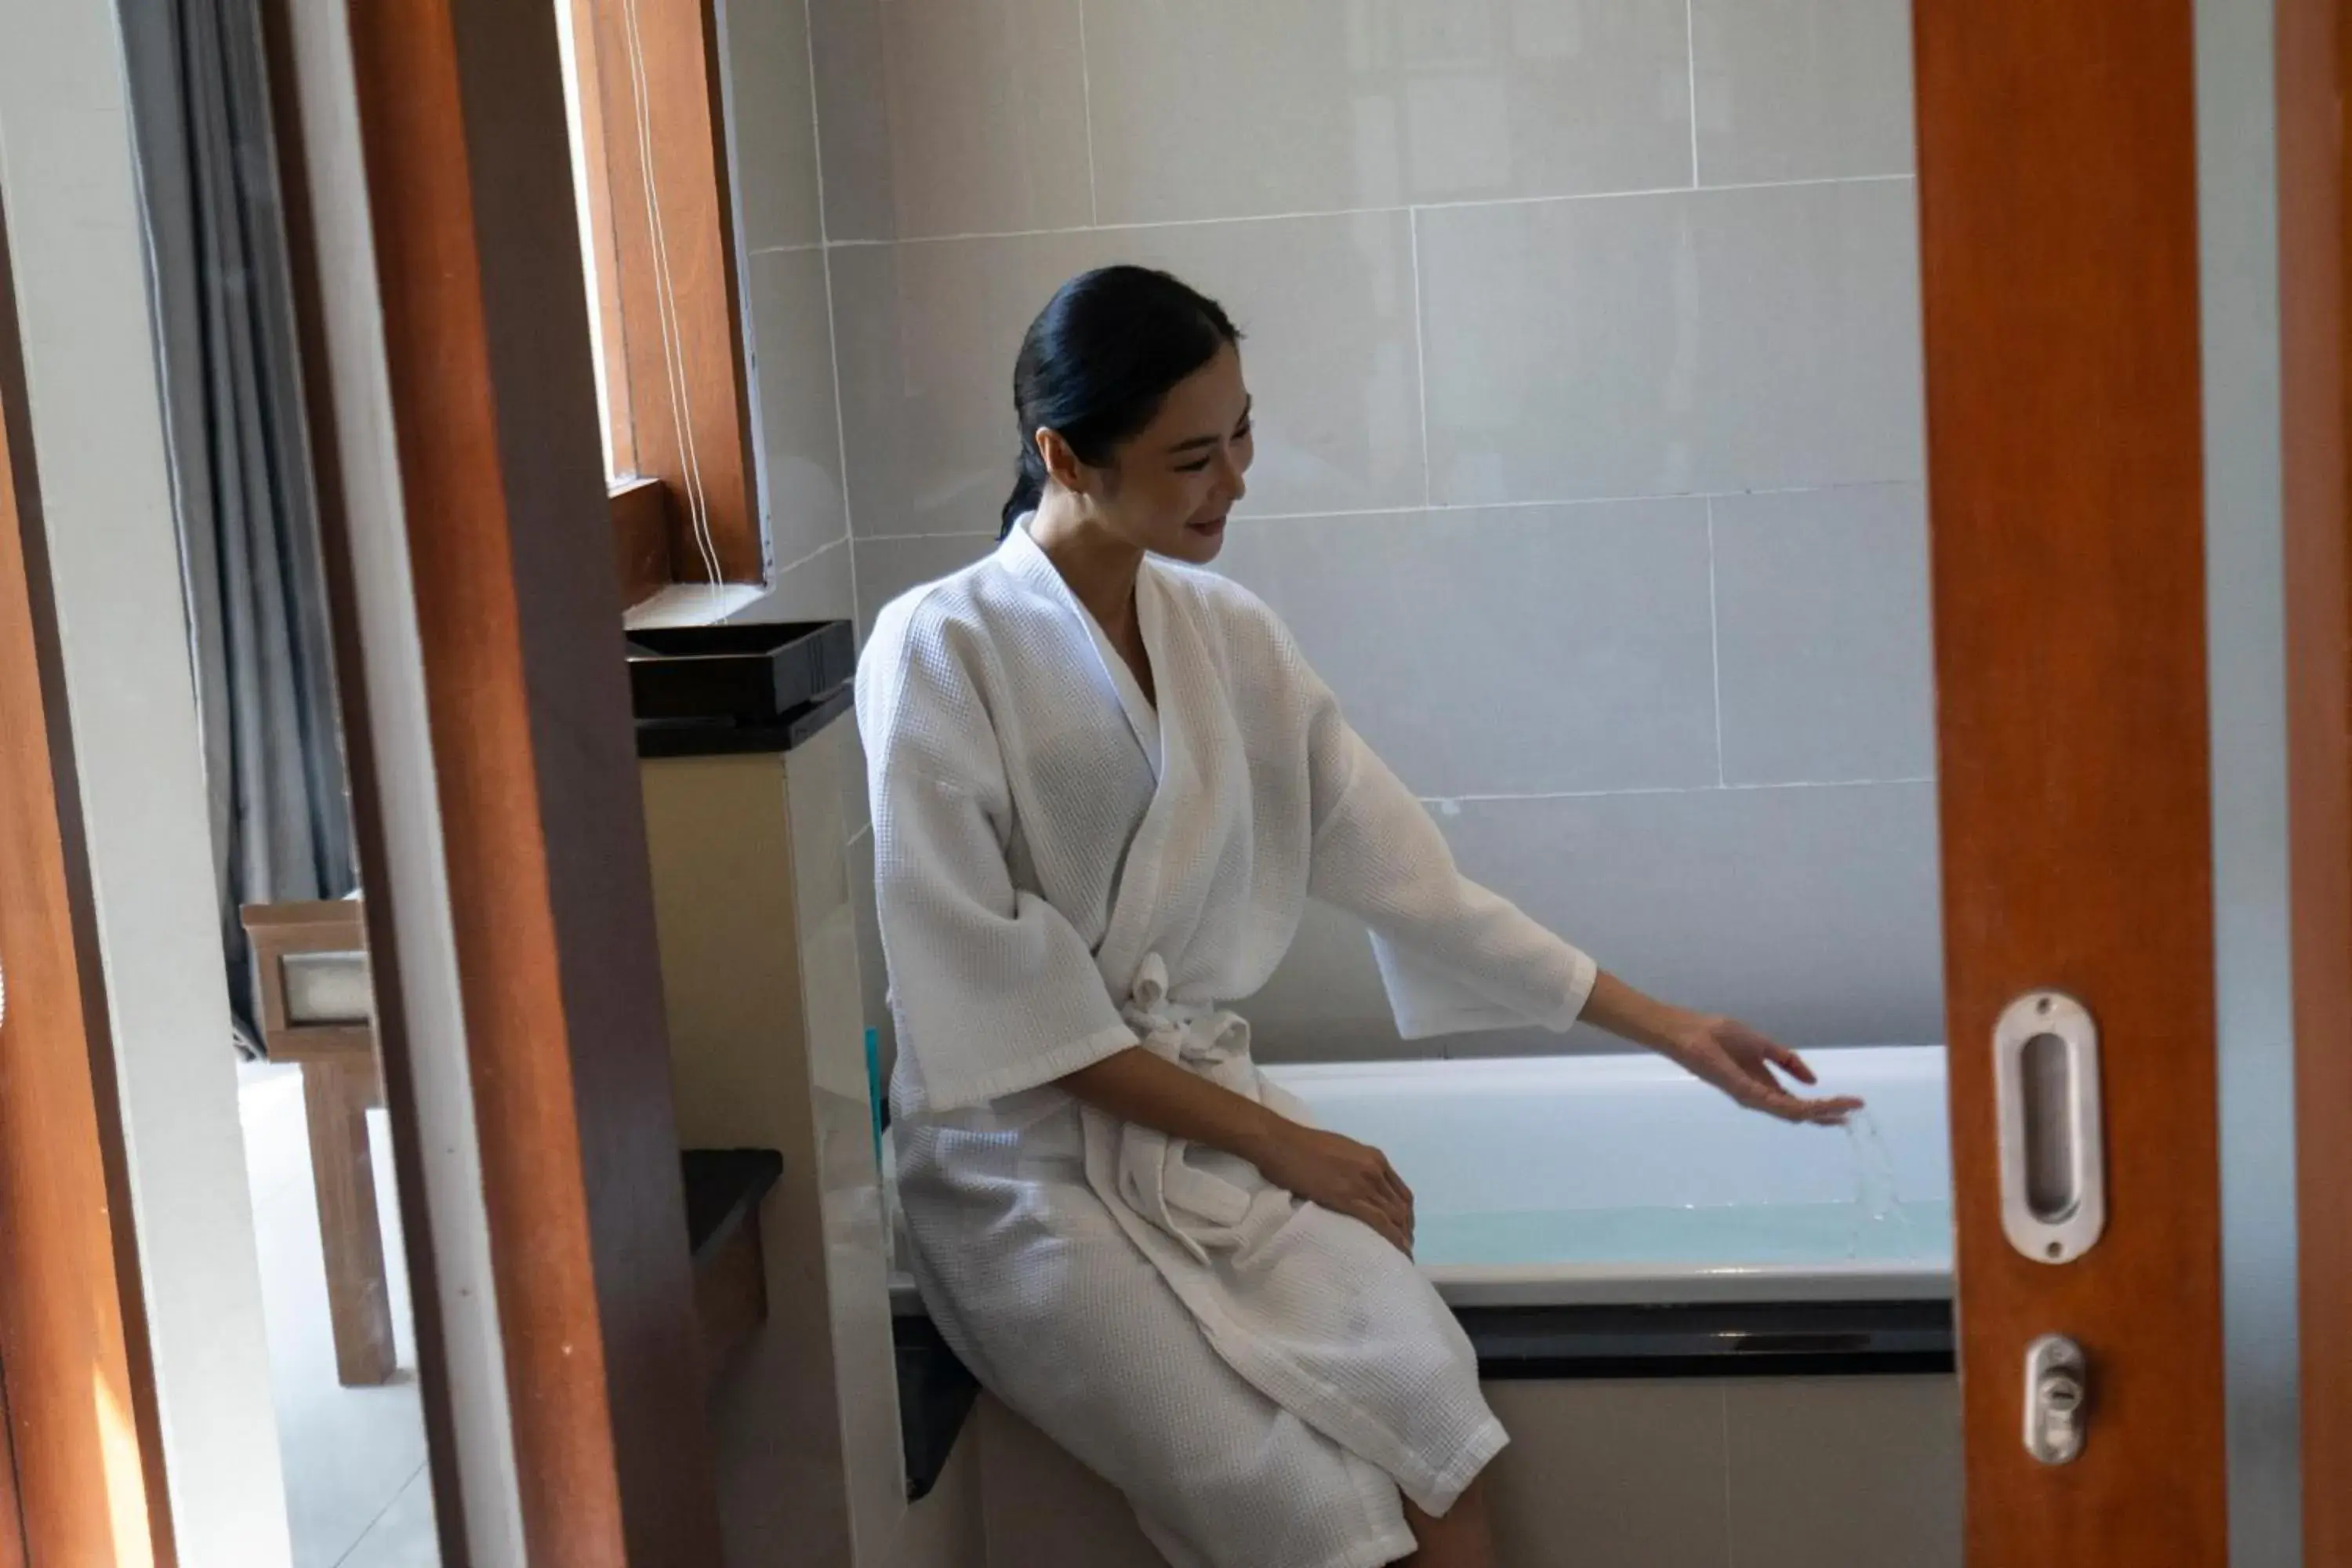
(684, 487)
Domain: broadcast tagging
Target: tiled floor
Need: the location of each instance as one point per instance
(357, 1494)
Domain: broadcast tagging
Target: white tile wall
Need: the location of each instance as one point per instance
(1827, 655)
(948, 116)
(1705, 341)
(1802, 89)
(1812, 911)
(775, 172)
(1533, 650)
(786, 269)
(1223, 107)
(1586, 345)
(800, 424)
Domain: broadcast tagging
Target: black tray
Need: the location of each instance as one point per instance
(748, 676)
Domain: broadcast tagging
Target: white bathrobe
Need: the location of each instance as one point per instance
(1066, 872)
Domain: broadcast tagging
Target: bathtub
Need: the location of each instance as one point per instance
(1611, 1217)
(1620, 1180)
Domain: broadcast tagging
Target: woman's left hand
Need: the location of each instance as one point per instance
(1737, 1060)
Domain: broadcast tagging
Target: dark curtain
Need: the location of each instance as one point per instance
(241, 477)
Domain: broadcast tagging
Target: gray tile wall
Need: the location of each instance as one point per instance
(1586, 346)
(787, 284)
(1769, 1472)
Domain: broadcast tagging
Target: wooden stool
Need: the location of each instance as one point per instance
(310, 964)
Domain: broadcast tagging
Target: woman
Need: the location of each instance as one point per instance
(1105, 784)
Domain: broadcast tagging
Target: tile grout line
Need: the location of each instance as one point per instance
(1715, 647)
(1421, 359)
(1390, 210)
(397, 1493)
(1540, 797)
(1343, 514)
(831, 325)
(827, 548)
(1690, 43)
(1087, 91)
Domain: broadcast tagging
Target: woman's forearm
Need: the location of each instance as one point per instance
(1135, 1085)
(1631, 1015)
(1339, 1174)
(1720, 1051)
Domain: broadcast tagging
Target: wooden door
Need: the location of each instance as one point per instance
(2059, 148)
(2059, 159)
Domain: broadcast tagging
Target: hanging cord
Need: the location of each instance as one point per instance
(681, 408)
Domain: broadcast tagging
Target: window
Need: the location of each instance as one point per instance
(650, 168)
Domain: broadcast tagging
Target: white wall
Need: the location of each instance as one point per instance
(787, 309)
(1586, 345)
(68, 179)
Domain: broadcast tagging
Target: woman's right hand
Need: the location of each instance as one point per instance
(1342, 1175)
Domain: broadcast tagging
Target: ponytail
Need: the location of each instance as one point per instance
(1028, 489)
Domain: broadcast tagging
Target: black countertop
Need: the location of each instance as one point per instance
(1777, 1338)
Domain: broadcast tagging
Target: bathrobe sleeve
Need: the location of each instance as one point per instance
(995, 992)
(1454, 957)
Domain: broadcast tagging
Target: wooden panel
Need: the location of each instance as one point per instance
(273, 931)
(2314, 67)
(335, 1100)
(11, 1512)
(461, 118)
(663, 128)
(2059, 238)
(641, 543)
(604, 262)
(73, 1347)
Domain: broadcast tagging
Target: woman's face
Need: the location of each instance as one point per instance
(1169, 489)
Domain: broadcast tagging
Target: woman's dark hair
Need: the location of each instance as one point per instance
(1099, 360)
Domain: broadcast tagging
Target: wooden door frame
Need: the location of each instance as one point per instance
(2314, 73)
(460, 130)
(2061, 304)
(73, 1331)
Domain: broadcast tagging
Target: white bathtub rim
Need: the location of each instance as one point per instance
(1596, 1069)
(1656, 1285)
